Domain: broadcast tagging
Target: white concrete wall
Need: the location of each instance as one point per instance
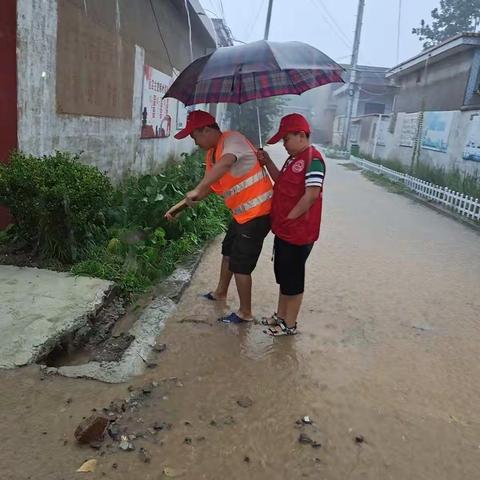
(392, 150)
(113, 145)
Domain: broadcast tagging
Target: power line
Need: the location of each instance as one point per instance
(262, 3)
(335, 29)
(375, 94)
(213, 10)
(161, 36)
(332, 18)
(330, 24)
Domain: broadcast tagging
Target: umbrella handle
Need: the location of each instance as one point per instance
(259, 125)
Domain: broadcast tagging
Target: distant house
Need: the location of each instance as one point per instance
(223, 34)
(443, 78)
(436, 114)
(326, 106)
(373, 96)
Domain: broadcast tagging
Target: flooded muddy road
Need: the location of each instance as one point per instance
(386, 367)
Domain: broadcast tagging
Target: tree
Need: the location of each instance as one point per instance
(452, 18)
(244, 117)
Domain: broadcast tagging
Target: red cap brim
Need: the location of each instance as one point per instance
(276, 138)
(183, 133)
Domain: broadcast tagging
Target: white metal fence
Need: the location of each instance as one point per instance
(464, 205)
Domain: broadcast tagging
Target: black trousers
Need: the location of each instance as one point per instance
(289, 266)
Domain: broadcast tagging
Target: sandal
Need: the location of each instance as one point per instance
(209, 296)
(270, 321)
(284, 329)
(233, 318)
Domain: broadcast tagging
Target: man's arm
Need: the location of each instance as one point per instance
(314, 178)
(309, 197)
(220, 168)
(265, 160)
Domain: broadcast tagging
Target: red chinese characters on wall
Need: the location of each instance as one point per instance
(156, 116)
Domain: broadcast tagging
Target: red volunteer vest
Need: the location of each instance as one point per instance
(288, 190)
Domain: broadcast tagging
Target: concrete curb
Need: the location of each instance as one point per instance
(146, 329)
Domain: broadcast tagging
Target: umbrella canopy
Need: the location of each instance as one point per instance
(252, 71)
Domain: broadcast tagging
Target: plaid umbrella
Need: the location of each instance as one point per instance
(255, 70)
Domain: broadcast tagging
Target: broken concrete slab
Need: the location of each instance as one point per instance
(133, 361)
(145, 331)
(39, 307)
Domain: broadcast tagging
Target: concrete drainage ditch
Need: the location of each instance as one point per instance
(117, 342)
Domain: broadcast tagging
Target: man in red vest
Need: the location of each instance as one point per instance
(233, 171)
(296, 214)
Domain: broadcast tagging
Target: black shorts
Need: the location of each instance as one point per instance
(243, 243)
(289, 266)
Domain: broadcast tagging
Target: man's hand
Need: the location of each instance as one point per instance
(175, 211)
(170, 216)
(193, 197)
(263, 157)
(265, 160)
(309, 198)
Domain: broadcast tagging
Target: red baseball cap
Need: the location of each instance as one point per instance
(290, 124)
(195, 119)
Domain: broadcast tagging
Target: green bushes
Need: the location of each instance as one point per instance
(119, 234)
(453, 178)
(58, 203)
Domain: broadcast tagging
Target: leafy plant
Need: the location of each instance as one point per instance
(453, 178)
(57, 202)
(118, 234)
(6, 234)
(142, 246)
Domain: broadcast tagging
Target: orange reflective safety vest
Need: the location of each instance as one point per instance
(248, 196)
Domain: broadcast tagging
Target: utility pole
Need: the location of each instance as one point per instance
(265, 37)
(269, 16)
(398, 29)
(352, 88)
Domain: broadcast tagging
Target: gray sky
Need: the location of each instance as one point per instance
(331, 27)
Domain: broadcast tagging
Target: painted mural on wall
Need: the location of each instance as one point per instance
(436, 130)
(409, 129)
(156, 113)
(472, 145)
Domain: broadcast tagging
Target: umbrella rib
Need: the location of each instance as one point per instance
(274, 56)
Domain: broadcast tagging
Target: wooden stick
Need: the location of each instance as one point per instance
(179, 207)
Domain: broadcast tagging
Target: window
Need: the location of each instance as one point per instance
(373, 107)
